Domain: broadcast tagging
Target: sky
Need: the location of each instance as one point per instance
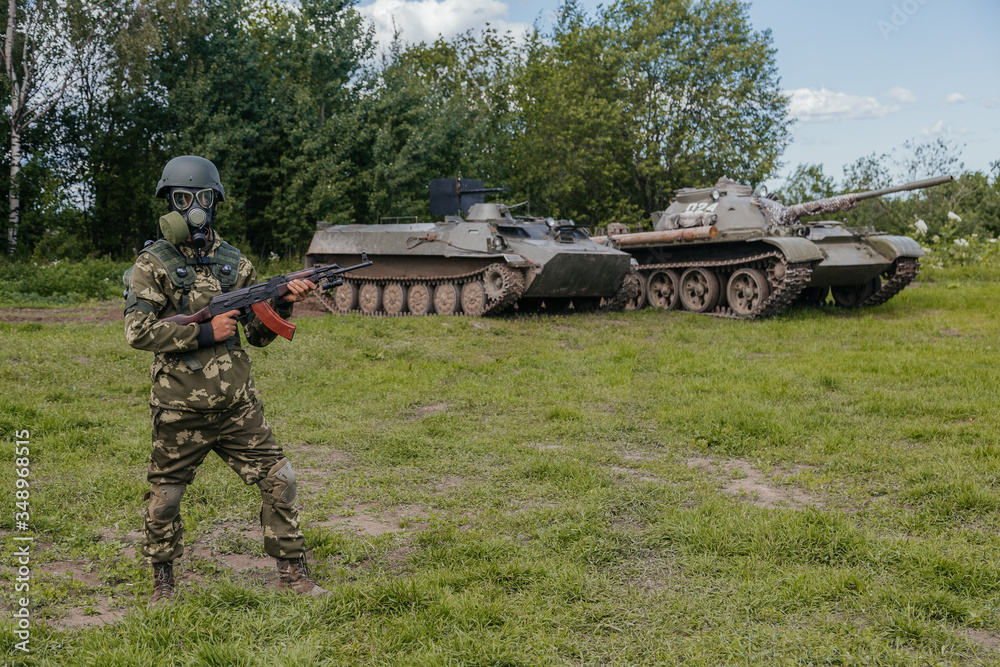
(864, 76)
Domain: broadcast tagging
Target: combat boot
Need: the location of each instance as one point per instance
(163, 582)
(295, 577)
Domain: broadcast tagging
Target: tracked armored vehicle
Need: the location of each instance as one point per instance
(478, 259)
(732, 252)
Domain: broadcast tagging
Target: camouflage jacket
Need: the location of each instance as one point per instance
(186, 375)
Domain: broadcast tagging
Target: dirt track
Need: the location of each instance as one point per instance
(111, 312)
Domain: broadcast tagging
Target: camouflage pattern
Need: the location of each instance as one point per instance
(203, 399)
(243, 439)
(223, 381)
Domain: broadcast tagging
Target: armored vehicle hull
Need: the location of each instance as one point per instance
(730, 252)
(485, 263)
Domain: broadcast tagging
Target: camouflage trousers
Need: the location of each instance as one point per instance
(242, 438)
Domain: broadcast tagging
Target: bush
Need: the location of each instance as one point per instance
(61, 282)
(961, 251)
(64, 282)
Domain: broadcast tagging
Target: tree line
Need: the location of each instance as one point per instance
(593, 118)
(597, 118)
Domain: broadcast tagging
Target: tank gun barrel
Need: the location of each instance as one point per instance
(788, 215)
(915, 185)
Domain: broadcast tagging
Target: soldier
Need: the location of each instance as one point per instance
(203, 397)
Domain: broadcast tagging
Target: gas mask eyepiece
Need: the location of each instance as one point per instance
(183, 199)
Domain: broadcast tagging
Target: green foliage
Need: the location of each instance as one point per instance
(251, 85)
(437, 110)
(252, 90)
(60, 282)
(305, 125)
(25, 284)
(664, 95)
(954, 219)
(806, 183)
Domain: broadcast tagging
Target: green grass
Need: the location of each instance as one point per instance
(546, 483)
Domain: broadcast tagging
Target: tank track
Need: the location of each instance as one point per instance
(786, 283)
(905, 270)
(499, 297)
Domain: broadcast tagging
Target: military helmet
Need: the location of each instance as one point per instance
(190, 171)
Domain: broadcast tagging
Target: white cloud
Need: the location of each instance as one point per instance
(954, 98)
(989, 102)
(938, 128)
(941, 129)
(825, 105)
(425, 20)
(901, 95)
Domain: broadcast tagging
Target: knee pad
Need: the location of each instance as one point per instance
(165, 502)
(281, 479)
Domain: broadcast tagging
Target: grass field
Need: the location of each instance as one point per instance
(625, 489)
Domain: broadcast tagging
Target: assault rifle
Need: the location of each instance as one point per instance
(255, 297)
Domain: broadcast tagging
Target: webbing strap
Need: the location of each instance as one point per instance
(135, 303)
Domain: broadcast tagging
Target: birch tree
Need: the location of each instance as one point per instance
(45, 44)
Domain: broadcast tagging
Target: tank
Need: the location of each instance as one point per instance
(732, 252)
(478, 259)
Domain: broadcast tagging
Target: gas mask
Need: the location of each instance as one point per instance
(196, 209)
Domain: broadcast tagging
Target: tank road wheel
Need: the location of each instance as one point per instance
(473, 298)
(446, 299)
(370, 298)
(419, 298)
(346, 297)
(747, 291)
(852, 296)
(394, 299)
(639, 300)
(699, 290)
(664, 290)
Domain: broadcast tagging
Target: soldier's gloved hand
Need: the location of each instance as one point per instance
(224, 325)
(298, 290)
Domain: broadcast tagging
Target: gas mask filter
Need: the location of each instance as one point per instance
(174, 228)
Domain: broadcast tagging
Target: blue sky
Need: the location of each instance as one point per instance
(864, 75)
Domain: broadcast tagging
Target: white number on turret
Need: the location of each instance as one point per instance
(703, 207)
